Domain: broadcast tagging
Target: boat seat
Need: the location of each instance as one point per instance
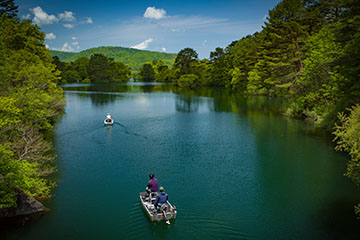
(147, 199)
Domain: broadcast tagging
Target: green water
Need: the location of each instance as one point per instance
(233, 166)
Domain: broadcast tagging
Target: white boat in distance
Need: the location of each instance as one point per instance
(108, 120)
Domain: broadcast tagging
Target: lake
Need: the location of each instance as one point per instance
(234, 167)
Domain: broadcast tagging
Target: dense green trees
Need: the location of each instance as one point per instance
(220, 72)
(29, 103)
(97, 69)
(347, 135)
(162, 71)
(184, 59)
(147, 73)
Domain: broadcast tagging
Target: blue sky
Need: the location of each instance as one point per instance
(164, 26)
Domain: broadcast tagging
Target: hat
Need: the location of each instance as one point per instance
(161, 189)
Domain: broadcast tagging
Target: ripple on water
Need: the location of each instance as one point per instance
(214, 228)
(135, 221)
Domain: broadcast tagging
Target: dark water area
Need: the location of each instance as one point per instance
(233, 166)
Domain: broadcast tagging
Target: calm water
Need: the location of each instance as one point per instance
(234, 168)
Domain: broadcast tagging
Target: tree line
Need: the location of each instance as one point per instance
(98, 68)
(29, 104)
(308, 52)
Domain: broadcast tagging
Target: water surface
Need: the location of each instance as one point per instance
(233, 166)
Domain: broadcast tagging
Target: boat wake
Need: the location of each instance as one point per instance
(129, 132)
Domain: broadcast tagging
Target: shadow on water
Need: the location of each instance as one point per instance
(9, 227)
(148, 88)
(339, 221)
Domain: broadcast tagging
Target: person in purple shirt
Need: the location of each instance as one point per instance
(153, 184)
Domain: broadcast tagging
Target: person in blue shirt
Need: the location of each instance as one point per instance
(161, 198)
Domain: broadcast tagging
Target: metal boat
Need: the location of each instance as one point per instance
(108, 120)
(166, 212)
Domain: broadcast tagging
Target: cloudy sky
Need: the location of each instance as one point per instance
(164, 26)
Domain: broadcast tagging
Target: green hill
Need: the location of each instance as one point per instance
(132, 57)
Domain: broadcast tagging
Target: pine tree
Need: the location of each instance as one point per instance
(8, 7)
(282, 44)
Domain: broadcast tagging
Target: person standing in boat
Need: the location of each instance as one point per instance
(153, 185)
(161, 199)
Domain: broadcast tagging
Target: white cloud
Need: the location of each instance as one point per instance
(163, 49)
(204, 43)
(143, 45)
(66, 48)
(42, 18)
(74, 38)
(76, 44)
(154, 13)
(86, 20)
(47, 46)
(141, 28)
(67, 16)
(174, 30)
(27, 16)
(89, 20)
(68, 25)
(50, 36)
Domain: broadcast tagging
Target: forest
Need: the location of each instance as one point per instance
(30, 102)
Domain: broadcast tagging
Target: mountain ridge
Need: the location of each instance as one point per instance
(134, 58)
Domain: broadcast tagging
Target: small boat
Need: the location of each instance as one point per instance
(108, 120)
(166, 212)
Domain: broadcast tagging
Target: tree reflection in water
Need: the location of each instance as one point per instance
(187, 103)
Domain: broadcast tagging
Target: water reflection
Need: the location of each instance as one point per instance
(225, 100)
(187, 103)
(148, 88)
(97, 87)
(102, 99)
(118, 87)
